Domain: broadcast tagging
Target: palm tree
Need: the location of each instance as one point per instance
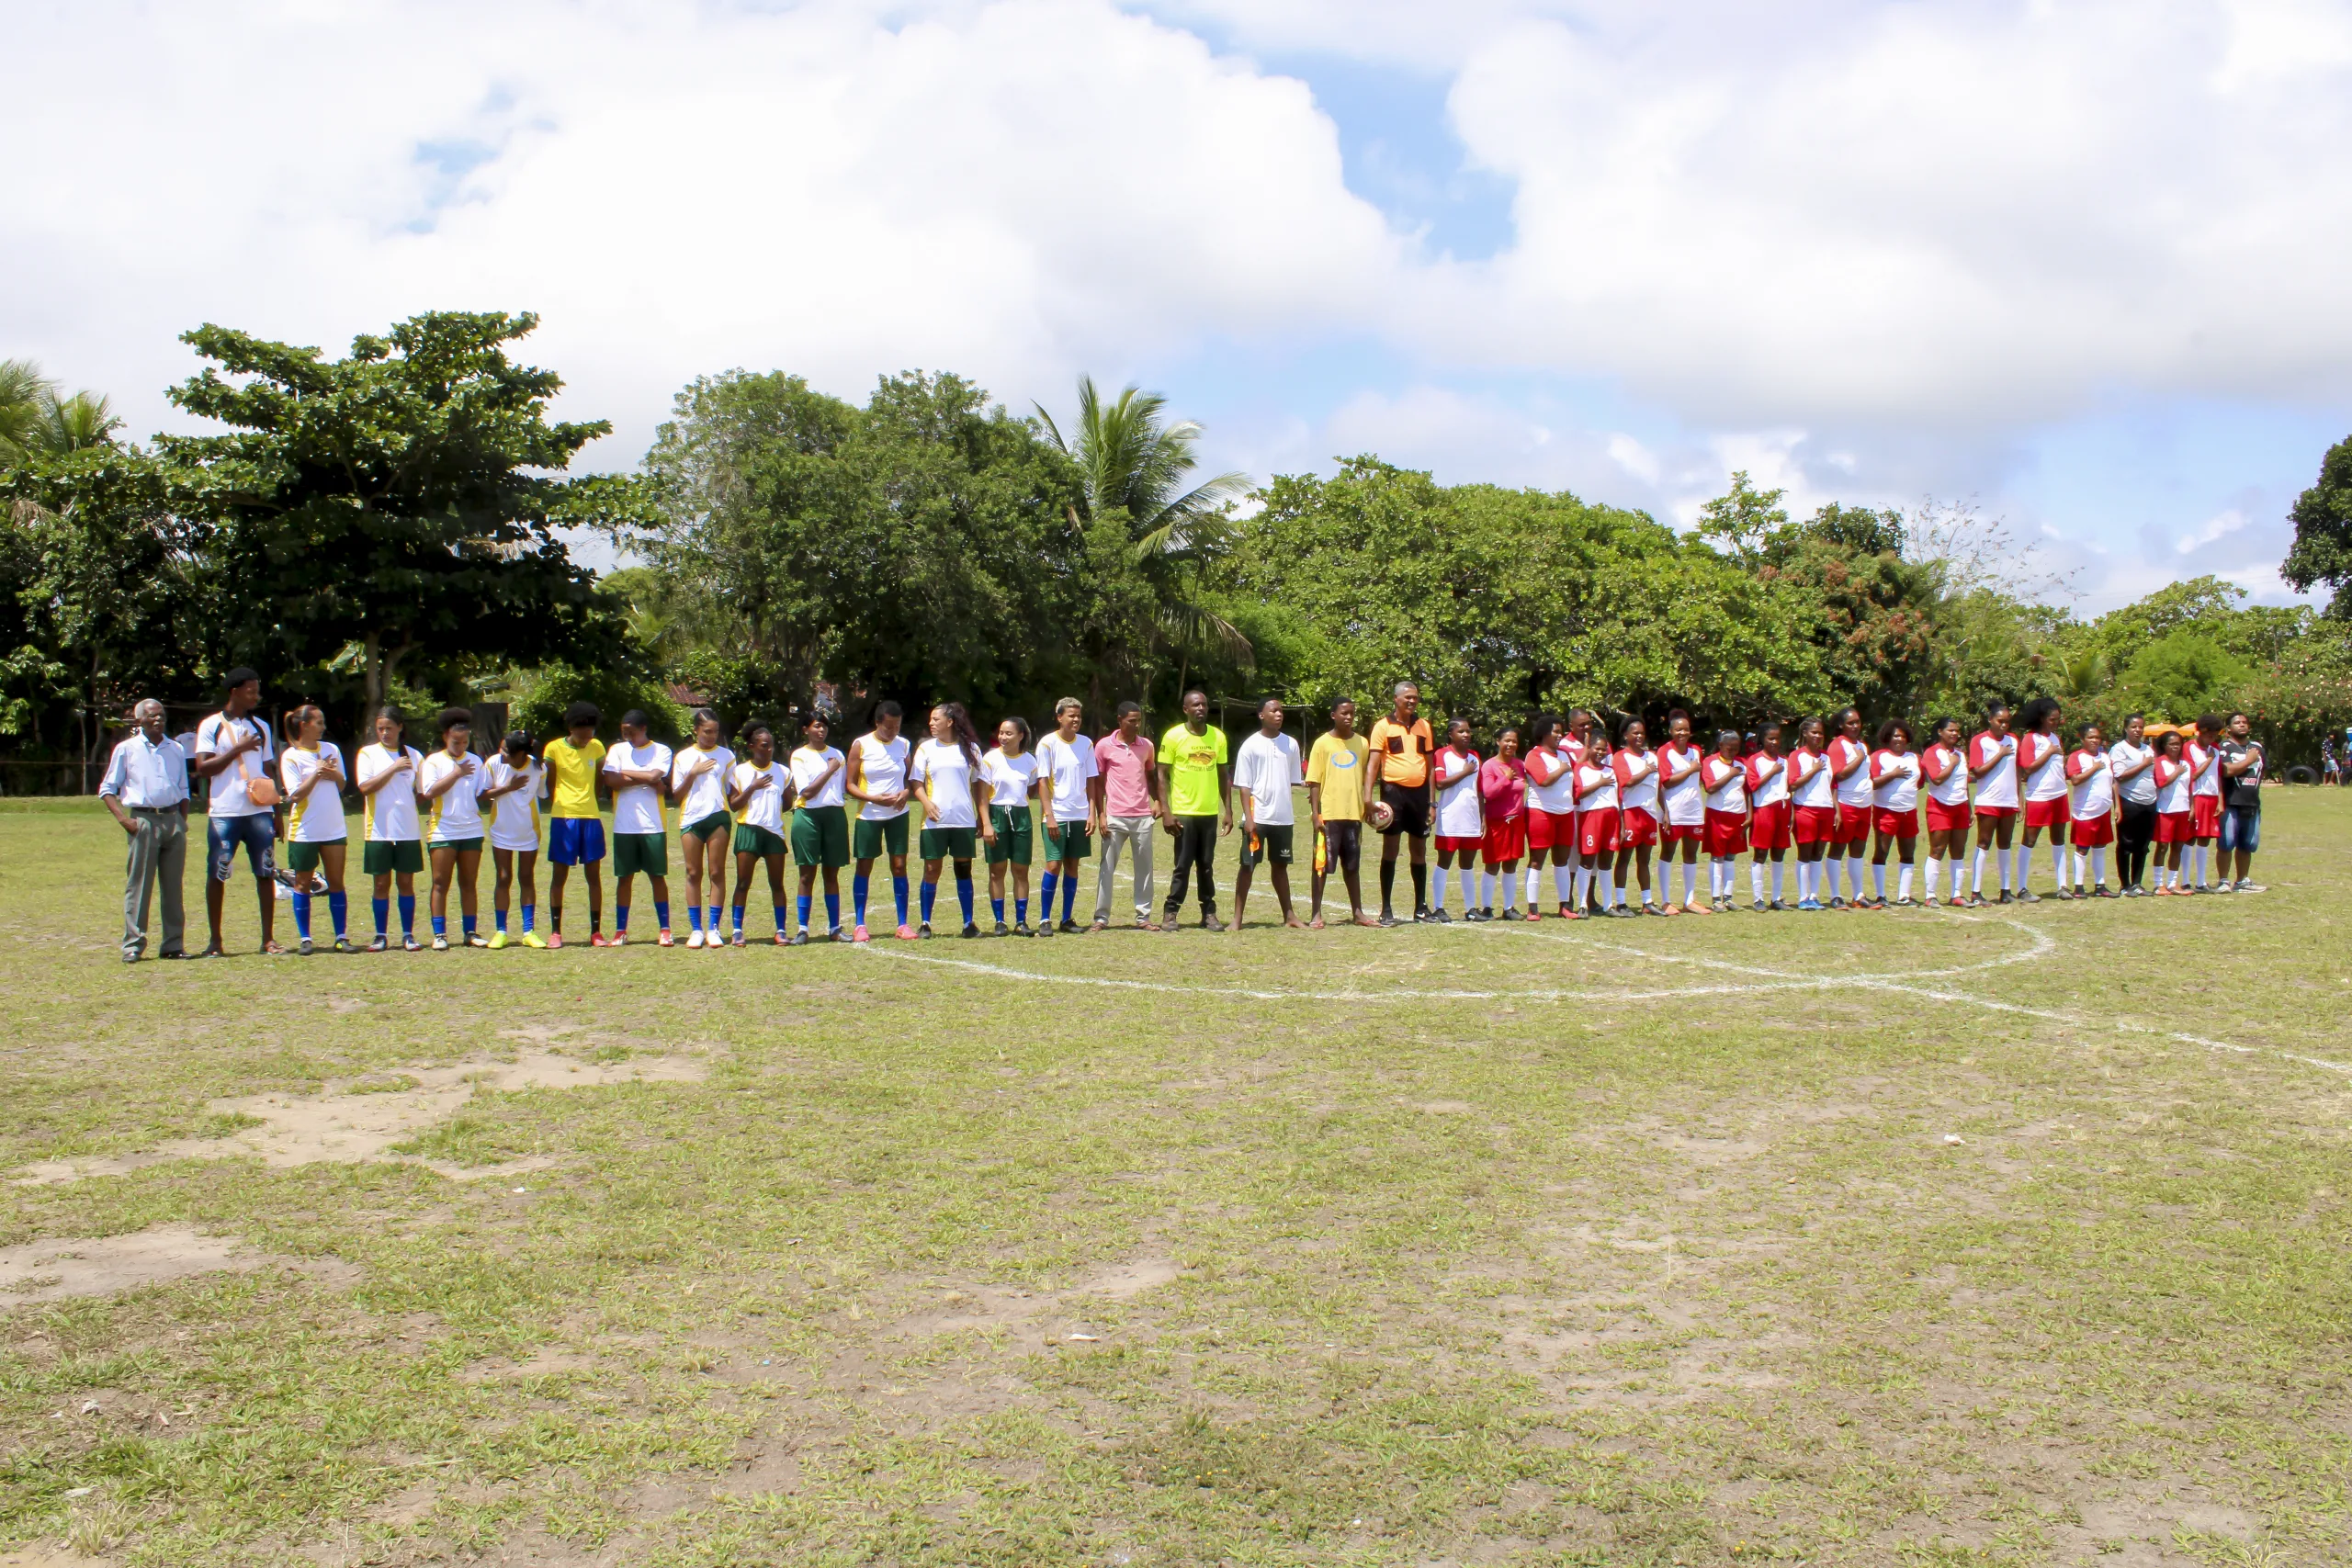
(22, 387)
(1132, 458)
(2084, 674)
(36, 421)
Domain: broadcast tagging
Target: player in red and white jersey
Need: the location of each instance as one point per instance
(1944, 766)
(2176, 821)
(1993, 776)
(1684, 816)
(1597, 824)
(1895, 809)
(1551, 813)
(1502, 799)
(1849, 773)
(2042, 767)
(2090, 807)
(1576, 744)
(1460, 829)
(1722, 778)
(1770, 819)
(1637, 807)
(1814, 795)
(2203, 753)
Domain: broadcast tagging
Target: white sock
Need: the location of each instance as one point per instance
(2200, 865)
(2098, 866)
(1854, 879)
(1609, 897)
(2023, 875)
(1486, 890)
(1957, 871)
(1534, 884)
(1563, 879)
(1437, 888)
(1935, 874)
(1756, 878)
(1903, 881)
(1976, 882)
(1878, 878)
(1779, 866)
(2058, 865)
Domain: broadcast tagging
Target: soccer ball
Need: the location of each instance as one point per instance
(1384, 817)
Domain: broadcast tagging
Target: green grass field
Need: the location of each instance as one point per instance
(1643, 1243)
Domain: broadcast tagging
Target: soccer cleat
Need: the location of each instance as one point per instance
(598, 939)
(306, 947)
(799, 937)
(1420, 914)
(379, 944)
(1045, 928)
(2248, 885)
(1835, 902)
(694, 937)
(1440, 918)
(533, 939)
(905, 933)
(1695, 910)
(1533, 913)
(924, 933)
(1809, 906)
(342, 944)
(2028, 897)
(1069, 927)
(970, 932)
(618, 939)
(1779, 907)
(665, 939)
(555, 939)
(1000, 929)
(1763, 908)
(498, 942)
(1020, 928)
(2226, 886)
(476, 940)
(409, 945)
(862, 934)
(739, 940)
(440, 944)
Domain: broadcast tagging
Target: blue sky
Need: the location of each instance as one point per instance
(2080, 266)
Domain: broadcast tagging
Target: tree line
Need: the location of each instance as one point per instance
(397, 525)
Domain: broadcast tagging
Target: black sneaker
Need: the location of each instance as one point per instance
(2030, 897)
(1420, 914)
(1045, 928)
(1000, 929)
(970, 932)
(922, 933)
(799, 937)
(1069, 927)
(1020, 928)
(1778, 908)
(1438, 918)
(1387, 918)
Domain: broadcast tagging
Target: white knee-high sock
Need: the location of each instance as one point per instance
(1756, 878)
(2058, 865)
(1853, 879)
(1958, 868)
(2098, 866)
(1778, 880)
(1976, 878)
(1878, 879)
(1534, 884)
(1935, 874)
(1903, 882)
(1564, 879)
(1609, 899)
(2200, 865)
(1437, 888)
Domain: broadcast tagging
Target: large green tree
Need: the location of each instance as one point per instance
(2321, 556)
(405, 498)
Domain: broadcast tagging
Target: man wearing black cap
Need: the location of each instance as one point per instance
(235, 750)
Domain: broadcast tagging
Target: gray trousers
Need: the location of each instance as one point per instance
(1135, 834)
(158, 855)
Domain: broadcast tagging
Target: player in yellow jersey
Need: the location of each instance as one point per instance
(576, 830)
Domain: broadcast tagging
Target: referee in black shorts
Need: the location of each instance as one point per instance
(1401, 748)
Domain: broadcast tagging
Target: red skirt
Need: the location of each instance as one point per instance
(1505, 842)
(1597, 831)
(1767, 827)
(1892, 824)
(2050, 813)
(1817, 825)
(1635, 826)
(1547, 829)
(1944, 818)
(2093, 833)
(2174, 827)
(2205, 815)
(1853, 823)
(1726, 833)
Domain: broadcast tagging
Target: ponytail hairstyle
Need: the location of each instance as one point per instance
(290, 722)
(450, 719)
(753, 731)
(1020, 724)
(388, 711)
(967, 739)
(701, 717)
(2029, 720)
(1993, 709)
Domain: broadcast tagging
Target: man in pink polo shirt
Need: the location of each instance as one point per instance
(1126, 788)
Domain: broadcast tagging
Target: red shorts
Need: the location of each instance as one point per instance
(1725, 833)
(2205, 815)
(2093, 833)
(1893, 824)
(1817, 825)
(1551, 830)
(2174, 828)
(1853, 823)
(2052, 813)
(1768, 826)
(1676, 832)
(1635, 827)
(1996, 813)
(1598, 832)
(1505, 842)
(1944, 818)
(1450, 843)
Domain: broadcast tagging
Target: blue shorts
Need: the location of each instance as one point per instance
(575, 841)
(257, 832)
(2240, 828)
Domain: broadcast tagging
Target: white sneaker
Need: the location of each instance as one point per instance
(694, 938)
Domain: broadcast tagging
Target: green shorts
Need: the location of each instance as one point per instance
(821, 836)
(949, 844)
(1067, 840)
(463, 846)
(881, 836)
(1015, 837)
(711, 827)
(392, 854)
(1273, 846)
(647, 852)
(300, 856)
(750, 838)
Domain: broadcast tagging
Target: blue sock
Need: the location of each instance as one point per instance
(781, 929)
(739, 919)
(714, 919)
(898, 891)
(857, 886)
(929, 896)
(620, 919)
(408, 913)
(1021, 911)
(339, 909)
(964, 895)
(833, 911)
(528, 911)
(1070, 897)
(500, 916)
(661, 914)
(468, 923)
(804, 911)
(694, 916)
(998, 904)
(1046, 898)
(383, 913)
(441, 925)
(302, 916)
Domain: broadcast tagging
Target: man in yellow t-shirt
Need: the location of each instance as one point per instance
(1195, 780)
(575, 829)
(1336, 771)
(1402, 746)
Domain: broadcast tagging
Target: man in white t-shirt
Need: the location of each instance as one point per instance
(1066, 761)
(1265, 769)
(235, 752)
(639, 770)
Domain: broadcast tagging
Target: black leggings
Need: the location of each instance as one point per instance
(1195, 846)
(2135, 828)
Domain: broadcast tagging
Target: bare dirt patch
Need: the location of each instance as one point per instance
(101, 1266)
(360, 1119)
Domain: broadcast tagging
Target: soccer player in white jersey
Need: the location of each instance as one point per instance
(1993, 778)
(2041, 769)
(1068, 797)
(311, 774)
(1771, 815)
(1010, 770)
(387, 773)
(2090, 811)
(1849, 772)
(1895, 809)
(1814, 797)
(1944, 767)
(1683, 799)
(513, 782)
(945, 771)
(1551, 813)
(698, 787)
(1460, 830)
(820, 826)
(1266, 767)
(759, 790)
(1637, 812)
(638, 769)
(447, 784)
(876, 780)
(1722, 781)
(2202, 752)
(2176, 815)
(1597, 830)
